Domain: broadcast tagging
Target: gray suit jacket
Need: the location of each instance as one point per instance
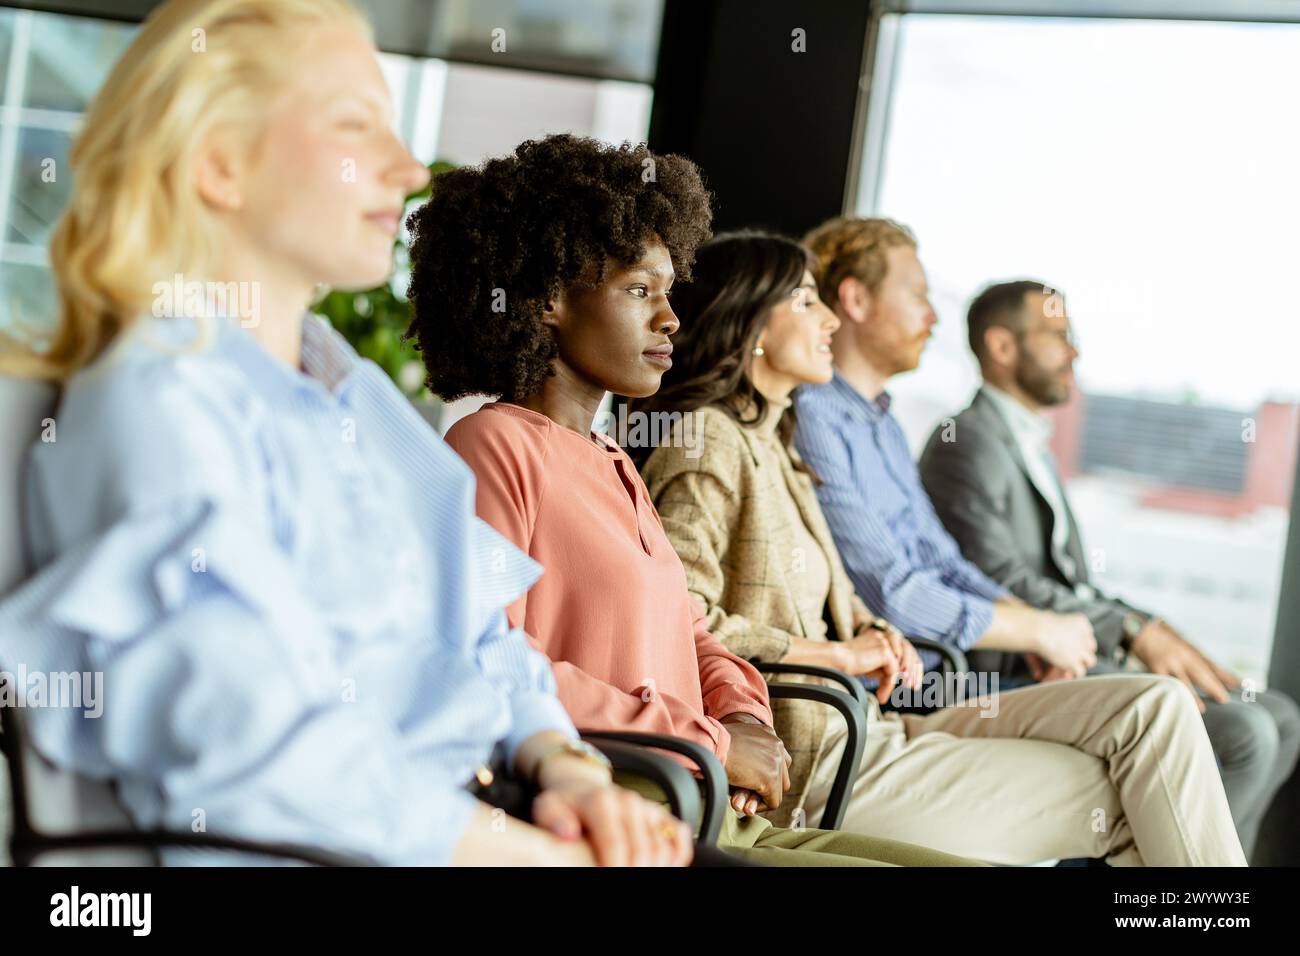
(982, 491)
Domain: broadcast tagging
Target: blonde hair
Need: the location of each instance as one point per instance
(848, 247)
(134, 217)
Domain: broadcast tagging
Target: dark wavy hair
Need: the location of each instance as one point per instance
(739, 278)
(495, 242)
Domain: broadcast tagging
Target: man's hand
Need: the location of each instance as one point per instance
(621, 827)
(1066, 641)
(1045, 673)
(1164, 651)
(757, 761)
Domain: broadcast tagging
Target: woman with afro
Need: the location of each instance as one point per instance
(543, 278)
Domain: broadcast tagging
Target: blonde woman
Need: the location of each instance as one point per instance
(244, 527)
(1115, 766)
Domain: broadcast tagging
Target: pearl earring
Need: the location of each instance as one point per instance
(758, 350)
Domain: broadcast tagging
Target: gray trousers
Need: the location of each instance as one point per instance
(1256, 743)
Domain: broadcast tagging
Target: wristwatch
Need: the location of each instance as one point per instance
(574, 748)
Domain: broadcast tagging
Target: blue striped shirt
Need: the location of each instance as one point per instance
(902, 561)
(298, 617)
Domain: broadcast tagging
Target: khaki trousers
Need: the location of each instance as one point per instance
(1116, 766)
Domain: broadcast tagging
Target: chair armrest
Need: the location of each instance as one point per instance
(856, 720)
(954, 661)
(670, 776)
(26, 849)
(714, 777)
(847, 681)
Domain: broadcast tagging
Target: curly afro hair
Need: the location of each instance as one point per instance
(495, 242)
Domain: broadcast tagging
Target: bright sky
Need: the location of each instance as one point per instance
(1151, 169)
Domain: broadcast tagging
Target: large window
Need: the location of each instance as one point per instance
(51, 66)
(1148, 170)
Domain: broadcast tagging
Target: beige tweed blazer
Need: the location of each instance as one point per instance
(722, 514)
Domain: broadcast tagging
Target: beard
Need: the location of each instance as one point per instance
(1046, 386)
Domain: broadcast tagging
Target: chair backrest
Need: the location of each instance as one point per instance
(41, 798)
(23, 407)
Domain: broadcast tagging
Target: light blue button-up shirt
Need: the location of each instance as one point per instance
(298, 617)
(903, 562)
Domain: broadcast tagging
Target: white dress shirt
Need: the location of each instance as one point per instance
(1032, 432)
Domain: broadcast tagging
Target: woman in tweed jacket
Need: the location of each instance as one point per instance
(723, 493)
(1013, 778)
